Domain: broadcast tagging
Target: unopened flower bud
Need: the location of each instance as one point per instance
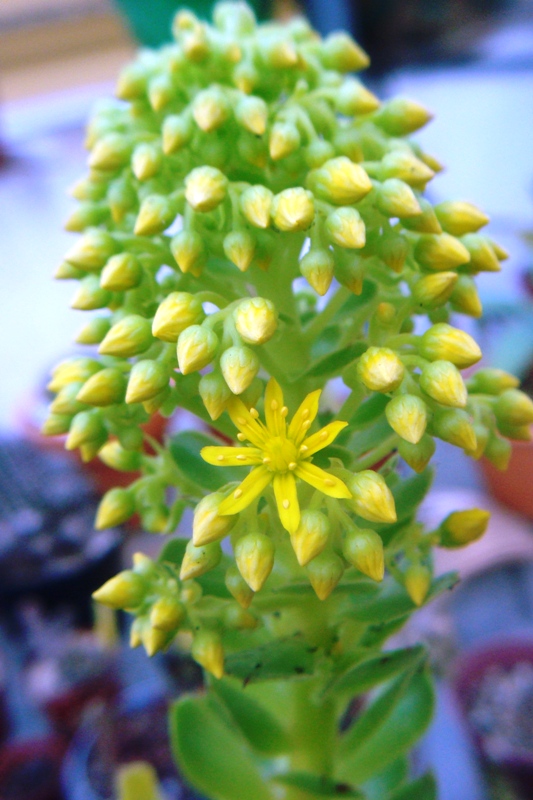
(256, 320)
(371, 497)
(238, 619)
(239, 247)
(424, 222)
(462, 527)
(324, 573)
(253, 150)
(434, 290)
(156, 214)
(465, 298)
(91, 252)
(380, 369)
(311, 536)
(132, 81)
(364, 550)
(245, 77)
(111, 152)
(67, 272)
(395, 198)
(445, 343)
(147, 378)
(234, 18)
(167, 614)
(72, 370)
(154, 640)
(146, 161)
(94, 331)
(318, 268)
(177, 132)
(199, 560)
(278, 53)
(56, 424)
(455, 426)
(86, 215)
(116, 507)
(339, 52)
(284, 139)
(178, 311)
(498, 451)
(347, 142)
(401, 116)
(514, 408)
(208, 651)
(239, 367)
(125, 591)
(482, 255)
(351, 274)
(104, 388)
(66, 401)
(256, 203)
(318, 152)
(122, 198)
(254, 554)
(417, 455)
(86, 426)
(208, 525)
(205, 188)
(129, 337)
(89, 295)
(189, 251)
(340, 181)
(293, 210)
(442, 381)
(345, 228)
(113, 455)
(440, 252)
(210, 109)
(407, 167)
(519, 433)
(499, 251)
(238, 588)
(458, 217)
(353, 99)
(121, 272)
(215, 393)
(393, 250)
(417, 581)
(197, 346)
(491, 381)
(407, 415)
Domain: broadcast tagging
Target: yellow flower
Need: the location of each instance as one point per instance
(279, 454)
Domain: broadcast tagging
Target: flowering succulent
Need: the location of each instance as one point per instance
(242, 174)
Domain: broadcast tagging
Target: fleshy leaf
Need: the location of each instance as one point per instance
(377, 669)
(317, 785)
(185, 450)
(282, 658)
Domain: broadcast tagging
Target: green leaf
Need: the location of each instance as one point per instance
(394, 775)
(261, 729)
(369, 410)
(357, 301)
(364, 441)
(375, 635)
(213, 756)
(400, 730)
(281, 658)
(408, 494)
(423, 788)
(212, 583)
(377, 669)
(393, 601)
(322, 458)
(318, 785)
(185, 450)
(334, 363)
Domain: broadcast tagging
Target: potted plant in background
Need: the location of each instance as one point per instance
(242, 162)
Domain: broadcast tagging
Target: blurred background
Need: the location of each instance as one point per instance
(73, 702)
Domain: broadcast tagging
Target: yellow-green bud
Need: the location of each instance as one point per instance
(318, 268)
(154, 640)
(147, 378)
(442, 381)
(458, 217)
(465, 297)
(199, 560)
(126, 590)
(380, 369)
(345, 228)
(116, 506)
(364, 550)
(491, 381)
(156, 214)
(208, 525)
(177, 132)
(519, 433)
(324, 573)
(434, 290)
(407, 167)
(256, 320)
(499, 251)
(482, 255)
(233, 18)
(146, 161)
(205, 188)
(89, 450)
(347, 142)
(195, 45)
(417, 580)
(440, 252)
(94, 331)
(85, 215)
(445, 343)
(177, 312)
(129, 337)
(210, 109)
(104, 388)
(89, 188)
(255, 204)
(318, 152)
(66, 272)
(401, 116)
(354, 99)
(253, 150)
(197, 346)
(238, 588)
(351, 274)
(89, 295)
(239, 247)
(311, 536)
(393, 250)
(239, 367)
(278, 53)
(254, 554)
(237, 618)
(339, 52)
(340, 181)
(252, 114)
(65, 401)
(121, 272)
(208, 651)
(116, 457)
(245, 77)
(87, 426)
(111, 152)
(56, 424)
(293, 210)
(417, 455)
(91, 252)
(498, 451)
(455, 426)
(72, 370)
(215, 393)
(131, 437)
(122, 198)
(167, 614)
(395, 198)
(513, 407)
(371, 497)
(160, 92)
(462, 527)
(407, 415)
(284, 139)
(137, 779)
(189, 251)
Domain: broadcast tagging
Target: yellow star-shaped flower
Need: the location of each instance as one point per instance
(278, 453)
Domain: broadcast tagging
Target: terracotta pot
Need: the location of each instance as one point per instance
(514, 486)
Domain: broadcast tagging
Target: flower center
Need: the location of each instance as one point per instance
(280, 455)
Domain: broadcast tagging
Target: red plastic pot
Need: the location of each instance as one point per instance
(514, 486)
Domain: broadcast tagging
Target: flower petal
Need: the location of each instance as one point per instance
(275, 419)
(231, 456)
(246, 423)
(303, 419)
(322, 480)
(320, 439)
(246, 492)
(287, 500)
